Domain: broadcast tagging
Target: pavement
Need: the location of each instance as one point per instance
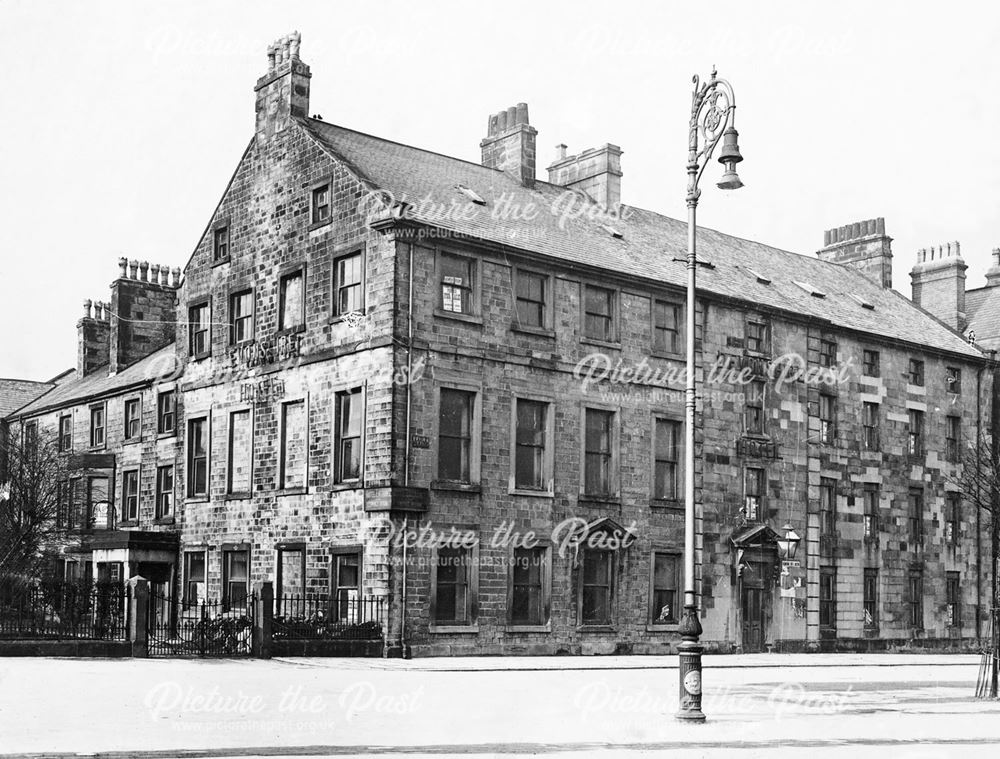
(758, 705)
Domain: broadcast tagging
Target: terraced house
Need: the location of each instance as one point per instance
(376, 341)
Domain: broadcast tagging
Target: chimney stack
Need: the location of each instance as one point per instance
(938, 281)
(993, 273)
(596, 171)
(283, 92)
(143, 312)
(509, 144)
(93, 339)
(863, 245)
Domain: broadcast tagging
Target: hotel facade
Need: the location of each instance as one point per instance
(386, 372)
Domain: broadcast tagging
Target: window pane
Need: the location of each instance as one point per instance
(455, 435)
(530, 445)
(291, 301)
(240, 451)
(293, 445)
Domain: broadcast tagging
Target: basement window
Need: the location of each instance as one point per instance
(812, 290)
(471, 194)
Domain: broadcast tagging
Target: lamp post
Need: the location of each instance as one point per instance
(712, 114)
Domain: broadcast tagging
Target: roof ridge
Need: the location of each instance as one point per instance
(401, 144)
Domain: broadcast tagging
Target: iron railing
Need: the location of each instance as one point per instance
(64, 610)
(324, 618)
(220, 628)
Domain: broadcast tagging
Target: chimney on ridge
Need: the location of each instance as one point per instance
(595, 171)
(509, 144)
(283, 92)
(863, 245)
(93, 339)
(938, 282)
(143, 311)
(993, 273)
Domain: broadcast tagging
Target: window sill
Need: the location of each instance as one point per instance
(457, 487)
(613, 344)
(238, 497)
(663, 504)
(165, 435)
(467, 318)
(131, 441)
(200, 356)
(248, 342)
(297, 329)
(342, 318)
(595, 628)
(128, 523)
(281, 492)
(536, 331)
(453, 629)
(531, 493)
(352, 485)
(667, 355)
(320, 224)
(165, 521)
(97, 448)
(197, 499)
(609, 500)
(528, 628)
(221, 261)
(667, 627)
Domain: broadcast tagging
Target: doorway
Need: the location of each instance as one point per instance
(752, 606)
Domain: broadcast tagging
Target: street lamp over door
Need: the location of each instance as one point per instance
(713, 111)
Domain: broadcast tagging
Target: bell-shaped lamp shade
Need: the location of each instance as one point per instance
(729, 156)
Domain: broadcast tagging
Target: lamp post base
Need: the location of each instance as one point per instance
(689, 654)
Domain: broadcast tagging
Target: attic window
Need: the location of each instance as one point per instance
(810, 289)
(471, 194)
(862, 302)
(760, 277)
(612, 231)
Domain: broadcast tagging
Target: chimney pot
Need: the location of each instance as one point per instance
(860, 246)
(143, 270)
(177, 276)
(509, 144)
(283, 92)
(133, 268)
(87, 304)
(122, 266)
(154, 274)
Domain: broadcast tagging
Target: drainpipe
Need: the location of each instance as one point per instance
(979, 537)
(406, 443)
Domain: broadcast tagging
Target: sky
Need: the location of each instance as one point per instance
(123, 121)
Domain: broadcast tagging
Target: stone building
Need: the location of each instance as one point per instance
(115, 419)
(458, 387)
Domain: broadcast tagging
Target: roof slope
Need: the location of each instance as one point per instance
(982, 312)
(99, 383)
(649, 242)
(16, 393)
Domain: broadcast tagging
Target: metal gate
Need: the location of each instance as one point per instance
(211, 628)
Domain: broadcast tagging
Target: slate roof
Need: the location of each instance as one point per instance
(982, 312)
(98, 383)
(16, 393)
(648, 246)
